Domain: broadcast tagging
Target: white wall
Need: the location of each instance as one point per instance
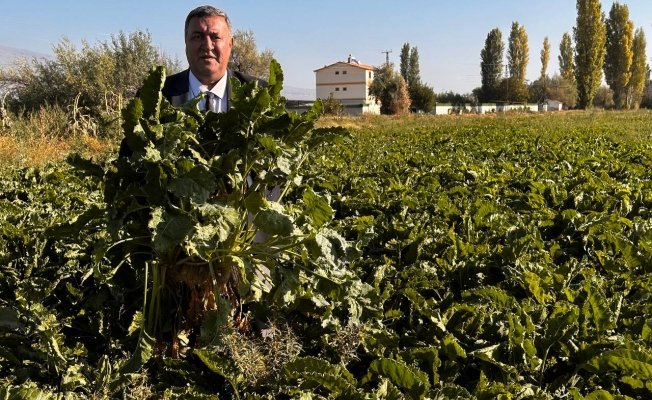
(345, 81)
(485, 108)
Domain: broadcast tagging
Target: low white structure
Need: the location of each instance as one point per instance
(553, 105)
(348, 82)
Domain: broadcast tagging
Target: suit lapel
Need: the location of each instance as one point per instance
(227, 91)
(178, 101)
(181, 89)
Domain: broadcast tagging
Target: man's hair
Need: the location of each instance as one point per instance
(206, 11)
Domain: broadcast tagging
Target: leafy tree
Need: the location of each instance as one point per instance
(545, 58)
(618, 59)
(422, 96)
(639, 70)
(514, 89)
(97, 79)
(491, 64)
(561, 89)
(404, 67)
(604, 97)
(590, 38)
(646, 102)
(518, 52)
(534, 90)
(381, 86)
(245, 56)
(389, 88)
(475, 94)
(451, 97)
(566, 61)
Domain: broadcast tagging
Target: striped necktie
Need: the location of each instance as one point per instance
(210, 96)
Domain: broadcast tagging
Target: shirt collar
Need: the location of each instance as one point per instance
(197, 87)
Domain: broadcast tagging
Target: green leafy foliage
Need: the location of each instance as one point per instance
(501, 258)
(193, 194)
(510, 249)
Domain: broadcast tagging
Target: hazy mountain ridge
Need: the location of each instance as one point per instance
(9, 54)
(294, 93)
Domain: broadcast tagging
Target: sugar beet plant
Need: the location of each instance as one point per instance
(187, 278)
(190, 205)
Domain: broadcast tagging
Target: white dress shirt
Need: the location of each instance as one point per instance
(219, 90)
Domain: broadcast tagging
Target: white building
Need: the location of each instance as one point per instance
(552, 105)
(349, 82)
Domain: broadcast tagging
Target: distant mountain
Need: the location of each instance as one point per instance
(9, 54)
(294, 93)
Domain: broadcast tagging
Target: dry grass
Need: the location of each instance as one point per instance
(44, 150)
(48, 136)
(32, 153)
(262, 358)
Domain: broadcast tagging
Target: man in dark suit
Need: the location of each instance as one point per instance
(208, 49)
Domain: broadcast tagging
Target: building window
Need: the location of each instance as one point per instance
(337, 89)
(344, 89)
(337, 72)
(343, 72)
(369, 74)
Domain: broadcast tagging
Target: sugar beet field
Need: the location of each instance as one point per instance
(505, 257)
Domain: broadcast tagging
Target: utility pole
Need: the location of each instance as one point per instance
(386, 55)
(507, 80)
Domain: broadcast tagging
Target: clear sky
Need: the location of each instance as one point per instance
(307, 34)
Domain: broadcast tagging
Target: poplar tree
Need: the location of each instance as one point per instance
(639, 70)
(590, 37)
(618, 59)
(404, 66)
(518, 52)
(545, 58)
(491, 64)
(409, 67)
(566, 61)
(414, 73)
(421, 96)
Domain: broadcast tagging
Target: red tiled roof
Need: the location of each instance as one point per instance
(343, 63)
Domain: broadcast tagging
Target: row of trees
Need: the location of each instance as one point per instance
(402, 90)
(608, 45)
(625, 65)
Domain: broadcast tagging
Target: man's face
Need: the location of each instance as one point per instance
(208, 48)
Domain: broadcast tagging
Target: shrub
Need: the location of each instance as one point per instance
(390, 89)
(95, 79)
(333, 106)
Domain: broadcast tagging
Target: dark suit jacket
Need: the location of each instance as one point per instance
(177, 88)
